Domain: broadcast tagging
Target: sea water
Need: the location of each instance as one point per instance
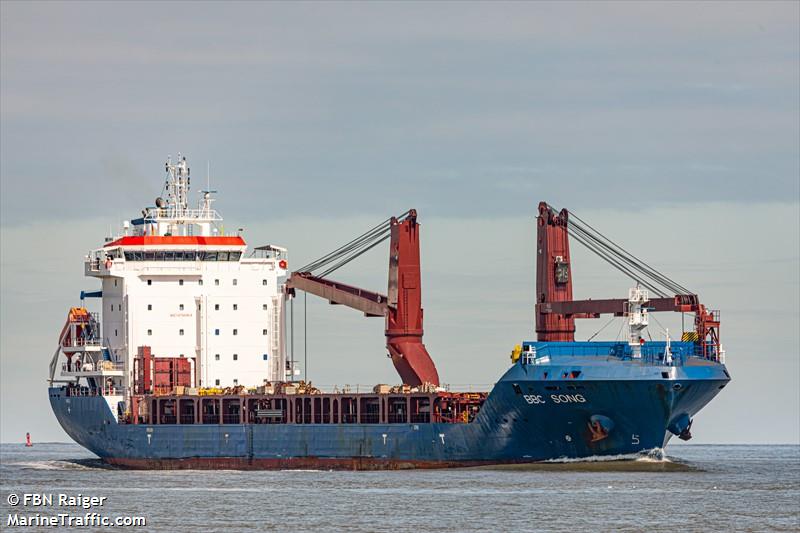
(685, 488)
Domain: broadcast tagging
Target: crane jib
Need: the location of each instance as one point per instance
(402, 306)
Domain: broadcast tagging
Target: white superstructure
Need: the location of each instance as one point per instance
(175, 282)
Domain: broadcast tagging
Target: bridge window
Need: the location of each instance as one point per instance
(180, 307)
(235, 307)
(216, 382)
(216, 357)
(235, 331)
(180, 332)
(263, 332)
(180, 282)
(216, 332)
(149, 307)
(263, 282)
(149, 331)
(200, 282)
(216, 282)
(216, 307)
(264, 307)
(266, 357)
(234, 281)
(149, 281)
(236, 357)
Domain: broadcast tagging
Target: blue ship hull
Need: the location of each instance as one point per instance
(535, 412)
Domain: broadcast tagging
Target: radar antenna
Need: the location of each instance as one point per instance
(177, 186)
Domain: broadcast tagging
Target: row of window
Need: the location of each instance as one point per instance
(200, 282)
(236, 357)
(216, 332)
(183, 255)
(181, 307)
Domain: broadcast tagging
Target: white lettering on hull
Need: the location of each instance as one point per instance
(536, 399)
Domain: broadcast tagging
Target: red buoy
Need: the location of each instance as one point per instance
(28, 442)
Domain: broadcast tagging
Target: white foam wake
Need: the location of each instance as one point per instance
(656, 455)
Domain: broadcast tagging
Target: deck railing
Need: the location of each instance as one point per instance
(97, 391)
(100, 366)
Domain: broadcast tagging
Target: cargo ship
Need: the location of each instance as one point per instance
(185, 363)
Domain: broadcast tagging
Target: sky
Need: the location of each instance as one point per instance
(672, 127)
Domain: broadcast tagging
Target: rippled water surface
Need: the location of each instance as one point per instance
(694, 488)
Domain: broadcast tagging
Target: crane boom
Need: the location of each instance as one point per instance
(402, 307)
(368, 302)
(556, 311)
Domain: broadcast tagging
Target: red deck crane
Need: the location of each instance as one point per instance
(402, 307)
(556, 311)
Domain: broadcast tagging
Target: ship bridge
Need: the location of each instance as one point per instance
(174, 281)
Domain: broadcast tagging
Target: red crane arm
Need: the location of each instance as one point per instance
(404, 319)
(581, 308)
(553, 275)
(402, 307)
(556, 311)
(370, 303)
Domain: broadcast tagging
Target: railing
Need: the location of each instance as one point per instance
(84, 342)
(652, 352)
(101, 366)
(231, 419)
(157, 213)
(531, 357)
(87, 391)
(97, 264)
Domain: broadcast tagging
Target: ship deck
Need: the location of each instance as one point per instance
(321, 408)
